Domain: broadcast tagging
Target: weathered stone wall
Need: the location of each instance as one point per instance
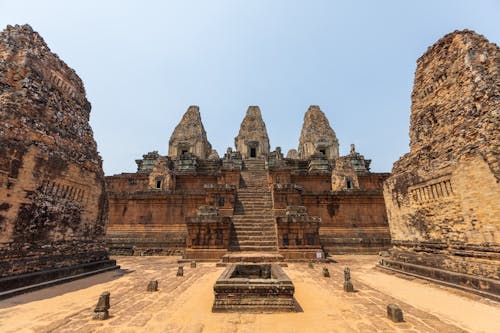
(443, 196)
(53, 207)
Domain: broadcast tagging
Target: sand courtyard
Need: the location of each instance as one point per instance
(183, 304)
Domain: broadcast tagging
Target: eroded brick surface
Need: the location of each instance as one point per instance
(443, 197)
(53, 207)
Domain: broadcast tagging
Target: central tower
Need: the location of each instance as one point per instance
(252, 140)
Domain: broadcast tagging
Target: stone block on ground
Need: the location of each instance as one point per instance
(394, 313)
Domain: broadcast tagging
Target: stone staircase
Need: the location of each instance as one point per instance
(253, 220)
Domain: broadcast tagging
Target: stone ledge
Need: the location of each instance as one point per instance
(20, 284)
(484, 287)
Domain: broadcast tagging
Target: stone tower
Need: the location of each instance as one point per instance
(252, 140)
(53, 205)
(189, 136)
(317, 136)
(444, 194)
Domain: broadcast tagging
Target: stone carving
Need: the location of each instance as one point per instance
(101, 310)
(292, 153)
(53, 207)
(442, 197)
(348, 287)
(317, 136)
(146, 164)
(252, 140)
(189, 136)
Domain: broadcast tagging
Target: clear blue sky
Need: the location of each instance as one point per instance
(144, 62)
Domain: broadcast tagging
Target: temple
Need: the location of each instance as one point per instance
(202, 206)
(53, 204)
(443, 196)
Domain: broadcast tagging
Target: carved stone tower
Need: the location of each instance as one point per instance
(252, 140)
(189, 136)
(317, 136)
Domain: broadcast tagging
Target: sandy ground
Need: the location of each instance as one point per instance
(183, 304)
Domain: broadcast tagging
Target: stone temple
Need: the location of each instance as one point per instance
(263, 231)
(443, 197)
(53, 204)
(252, 199)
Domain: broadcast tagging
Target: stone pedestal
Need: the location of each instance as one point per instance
(298, 234)
(394, 313)
(208, 234)
(101, 309)
(254, 288)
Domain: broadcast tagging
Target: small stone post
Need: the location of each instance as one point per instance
(102, 307)
(193, 264)
(180, 271)
(153, 285)
(348, 287)
(326, 273)
(394, 313)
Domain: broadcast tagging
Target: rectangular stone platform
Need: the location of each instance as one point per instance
(254, 288)
(19, 284)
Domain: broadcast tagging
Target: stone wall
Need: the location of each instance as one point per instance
(443, 196)
(53, 207)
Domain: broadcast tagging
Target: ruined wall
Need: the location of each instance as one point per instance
(53, 207)
(443, 196)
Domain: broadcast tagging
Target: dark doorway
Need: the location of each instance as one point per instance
(322, 151)
(253, 152)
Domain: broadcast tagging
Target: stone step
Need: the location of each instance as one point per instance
(255, 195)
(255, 233)
(243, 229)
(249, 227)
(252, 257)
(256, 204)
(257, 248)
(248, 231)
(261, 236)
(255, 243)
(253, 216)
(245, 219)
